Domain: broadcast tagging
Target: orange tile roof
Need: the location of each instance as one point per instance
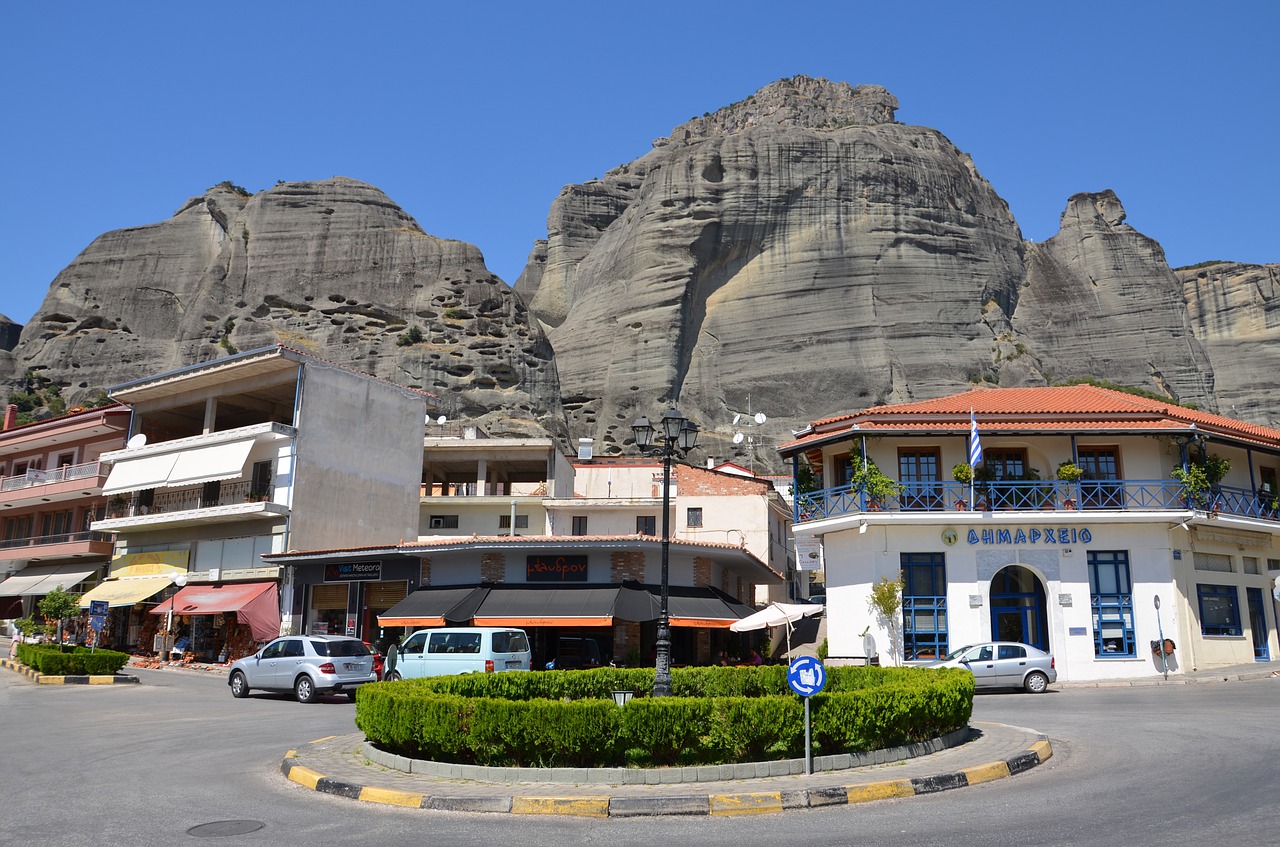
(1068, 408)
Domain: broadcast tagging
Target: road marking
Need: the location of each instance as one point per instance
(986, 773)
(585, 807)
(881, 790)
(755, 803)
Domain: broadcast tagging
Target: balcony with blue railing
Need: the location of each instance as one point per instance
(1141, 495)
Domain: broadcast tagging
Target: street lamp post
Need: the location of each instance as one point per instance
(678, 433)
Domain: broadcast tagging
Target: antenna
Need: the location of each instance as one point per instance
(136, 441)
(750, 421)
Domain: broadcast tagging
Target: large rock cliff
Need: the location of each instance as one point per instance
(333, 268)
(802, 253)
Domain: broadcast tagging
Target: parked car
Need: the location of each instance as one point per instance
(573, 652)
(1003, 664)
(307, 665)
(451, 650)
(379, 660)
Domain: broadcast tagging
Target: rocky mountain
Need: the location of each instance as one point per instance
(804, 253)
(1234, 310)
(799, 253)
(333, 268)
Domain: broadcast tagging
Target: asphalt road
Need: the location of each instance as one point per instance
(141, 765)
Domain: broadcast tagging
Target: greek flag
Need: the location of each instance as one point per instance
(975, 443)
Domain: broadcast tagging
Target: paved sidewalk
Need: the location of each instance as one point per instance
(341, 765)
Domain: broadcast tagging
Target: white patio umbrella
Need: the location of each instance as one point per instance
(777, 614)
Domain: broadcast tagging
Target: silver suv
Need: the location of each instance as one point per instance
(307, 665)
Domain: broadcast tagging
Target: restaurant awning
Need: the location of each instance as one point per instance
(137, 474)
(551, 605)
(207, 464)
(562, 605)
(703, 607)
(255, 603)
(38, 580)
(125, 592)
(435, 607)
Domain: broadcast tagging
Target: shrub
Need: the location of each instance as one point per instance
(53, 660)
(568, 718)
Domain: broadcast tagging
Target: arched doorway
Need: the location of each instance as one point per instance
(1018, 608)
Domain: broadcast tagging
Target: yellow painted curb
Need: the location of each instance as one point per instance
(51, 680)
(586, 807)
(292, 754)
(304, 776)
(388, 797)
(318, 740)
(758, 803)
(102, 680)
(986, 773)
(1042, 750)
(881, 790)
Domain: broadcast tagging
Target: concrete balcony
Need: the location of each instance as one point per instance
(71, 482)
(199, 504)
(68, 545)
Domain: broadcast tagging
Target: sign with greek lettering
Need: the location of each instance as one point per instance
(1060, 535)
(555, 569)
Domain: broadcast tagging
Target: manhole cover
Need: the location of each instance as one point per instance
(218, 829)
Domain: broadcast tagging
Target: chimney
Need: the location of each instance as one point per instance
(10, 416)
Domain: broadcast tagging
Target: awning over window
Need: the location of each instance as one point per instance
(39, 580)
(207, 464)
(255, 603)
(548, 606)
(127, 591)
(562, 605)
(138, 474)
(435, 607)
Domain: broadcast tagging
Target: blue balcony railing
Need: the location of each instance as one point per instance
(1029, 495)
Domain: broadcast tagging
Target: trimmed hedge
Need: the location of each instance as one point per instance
(53, 660)
(569, 719)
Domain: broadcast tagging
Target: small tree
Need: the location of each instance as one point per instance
(58, 605)
(886, 602)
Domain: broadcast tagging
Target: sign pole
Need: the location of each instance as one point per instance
(1164, 659)
(806, 676)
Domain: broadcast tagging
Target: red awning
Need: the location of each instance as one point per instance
(255, 603)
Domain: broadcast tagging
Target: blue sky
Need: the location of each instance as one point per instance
(472, 119)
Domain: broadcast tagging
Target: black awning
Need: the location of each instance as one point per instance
(551, 605)
(451, 605)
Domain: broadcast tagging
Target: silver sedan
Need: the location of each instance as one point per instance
(1003, 664)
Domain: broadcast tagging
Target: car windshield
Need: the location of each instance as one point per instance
(340, 648)
(957, 653)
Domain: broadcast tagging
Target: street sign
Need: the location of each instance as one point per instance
(806, 676)
(98, 608)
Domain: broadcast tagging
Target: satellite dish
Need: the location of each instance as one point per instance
(760, 418)
(736, 418)
(136, 441)
(440, 420)
(737, 438)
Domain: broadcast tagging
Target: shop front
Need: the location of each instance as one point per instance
(135, 584)
(218, 622)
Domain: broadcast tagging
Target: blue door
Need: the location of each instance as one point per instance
(1258, 623)
(1018, 608)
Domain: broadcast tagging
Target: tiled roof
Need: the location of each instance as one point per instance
(1070, 408)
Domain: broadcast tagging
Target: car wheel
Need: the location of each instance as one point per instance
(239, 685)
(394, 676)
(1035, 683)
(351, 695)
(304, 689)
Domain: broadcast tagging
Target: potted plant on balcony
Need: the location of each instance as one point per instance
(1201, 478)
(963, 474)
(116, 506)
(1069, 472)
(871, 480)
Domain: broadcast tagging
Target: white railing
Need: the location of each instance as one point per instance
(35, 476)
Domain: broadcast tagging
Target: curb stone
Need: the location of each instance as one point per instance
(73, 679)
(735, 803)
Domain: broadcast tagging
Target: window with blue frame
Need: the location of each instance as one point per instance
(1219, 610)
(1111, 603)
(924, 605)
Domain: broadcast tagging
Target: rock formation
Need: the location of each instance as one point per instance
(1235, 312)
(333, 268)
(803, 253)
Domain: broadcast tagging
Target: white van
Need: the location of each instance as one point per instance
(478, 649)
